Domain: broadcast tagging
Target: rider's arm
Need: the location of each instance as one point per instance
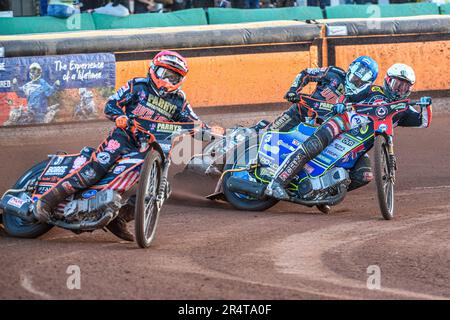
(18, 89)
(115, 107)
(306, 76)
(48, 89)
(412, 118)
(186, 114)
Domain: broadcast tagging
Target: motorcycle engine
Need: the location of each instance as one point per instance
(82, 208)
(315, 188)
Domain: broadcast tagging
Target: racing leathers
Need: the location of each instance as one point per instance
(329, 91)
(333, 127)
(37, 93)
(361, 173)
(136, 98)
(86, 108)
(330, 87)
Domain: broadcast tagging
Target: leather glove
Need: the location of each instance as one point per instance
(292, 96)
(339, 108)
(425, 100)
(217, 130)
(122, 122)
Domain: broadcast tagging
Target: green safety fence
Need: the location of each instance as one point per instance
(145, 20)
(381, 11)
(445, 8)
(95, 21)
(226, 15)
(24, 25)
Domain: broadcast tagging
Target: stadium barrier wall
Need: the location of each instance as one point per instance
(381, 11)
(255, 63)
(85, 21)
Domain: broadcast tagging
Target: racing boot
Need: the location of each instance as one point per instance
(293, 163)
(285, 173)
(324, 208)
(48, 202)
(119, 225)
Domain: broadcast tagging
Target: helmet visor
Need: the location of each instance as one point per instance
(169, 76)
(401, 87)
(360, 75)
(35, 73)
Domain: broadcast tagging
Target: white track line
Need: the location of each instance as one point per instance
(436, 187)
(26, 283)
(301, 254)
(25, 278)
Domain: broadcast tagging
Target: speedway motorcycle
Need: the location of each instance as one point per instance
(212, 159)
(323, 180)
(19, 116)
(137, 179)
(84, 112)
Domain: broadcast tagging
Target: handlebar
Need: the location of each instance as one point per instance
(422, 103)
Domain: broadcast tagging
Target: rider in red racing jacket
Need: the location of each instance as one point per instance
(157, 97)
(397, 86)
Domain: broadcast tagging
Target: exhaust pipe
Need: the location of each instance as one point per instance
(18, 207)
(249, 188)
(87, 225)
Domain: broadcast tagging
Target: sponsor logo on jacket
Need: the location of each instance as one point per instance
(161, 106)
(56, 171)
(168, 127)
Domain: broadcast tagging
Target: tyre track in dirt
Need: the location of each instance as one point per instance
(206, 250)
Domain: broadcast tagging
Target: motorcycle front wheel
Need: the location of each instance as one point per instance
(240, 201)
(146, 210)
(384, 178)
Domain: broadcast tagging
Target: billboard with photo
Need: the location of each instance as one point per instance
(55, 88)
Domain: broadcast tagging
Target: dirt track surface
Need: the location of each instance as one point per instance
(208, 250)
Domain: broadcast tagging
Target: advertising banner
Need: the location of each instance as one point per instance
(55, 88)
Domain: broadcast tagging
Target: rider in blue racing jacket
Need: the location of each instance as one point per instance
(397, 85)
(330, 82)
(333, 85)
(158, 97)
(37, 91)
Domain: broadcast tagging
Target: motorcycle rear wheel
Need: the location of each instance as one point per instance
(385, 185)
(146, 211)
(15, 226)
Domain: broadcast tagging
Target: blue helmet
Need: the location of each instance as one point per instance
(361, 74)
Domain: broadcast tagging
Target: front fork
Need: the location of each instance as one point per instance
(164, 190)
(392, 163)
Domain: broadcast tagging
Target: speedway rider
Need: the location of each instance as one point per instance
(86, 108)
(159, 97)
(37, 91)
(332, 84)
(330, 87)
(398, 83)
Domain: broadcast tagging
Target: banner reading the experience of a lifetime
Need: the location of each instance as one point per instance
(55, 88)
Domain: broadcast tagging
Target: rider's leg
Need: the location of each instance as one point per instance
(361, 173)
(312, 147)
(119, 225)
(87, 175)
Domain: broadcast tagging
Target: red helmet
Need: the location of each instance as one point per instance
(168, 70)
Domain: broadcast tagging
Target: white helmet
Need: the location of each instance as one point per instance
(35, 71)
(399, 81)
